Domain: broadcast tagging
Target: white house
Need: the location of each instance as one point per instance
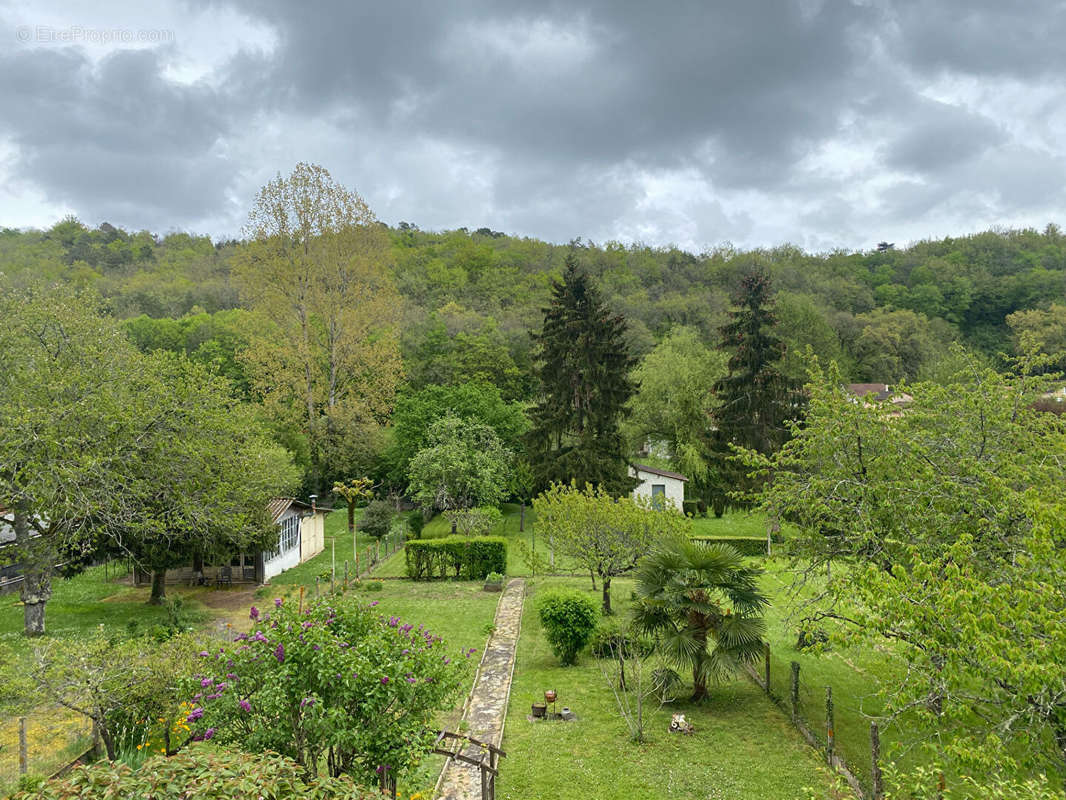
(301, 536)
(656, 483)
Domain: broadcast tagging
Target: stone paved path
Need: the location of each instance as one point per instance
(488, 704)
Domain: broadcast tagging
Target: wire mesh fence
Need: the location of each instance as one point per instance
(40, 744)
(836, 722)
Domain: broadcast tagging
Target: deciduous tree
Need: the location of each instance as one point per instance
(947, 523)
(464, 465)
(63, 401)
(606, 535)
(316, 264)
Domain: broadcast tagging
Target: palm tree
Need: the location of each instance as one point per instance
(703, 605)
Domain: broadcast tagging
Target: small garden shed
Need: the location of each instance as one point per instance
(301, 536)
(656, 483)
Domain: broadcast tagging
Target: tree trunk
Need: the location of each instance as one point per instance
(33, 618)
(593, 576)
(453, 526)
(159, 589)
(109, 742)
(38, 561)
(699, 685)
(522, 517)
(606, 595)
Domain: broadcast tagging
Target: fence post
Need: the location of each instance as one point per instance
(766, 664)
(794, 694)
(346, 574)
(23, 754)
(317, 578)
(830, 734)
(878, 787)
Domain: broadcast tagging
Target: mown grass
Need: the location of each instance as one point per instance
(743, 746)
(733, 524)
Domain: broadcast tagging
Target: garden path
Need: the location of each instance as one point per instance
(487, 709)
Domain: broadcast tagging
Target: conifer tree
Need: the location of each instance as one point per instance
(583, 368)
(754, 401)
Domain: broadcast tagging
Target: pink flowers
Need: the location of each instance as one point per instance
(244, 705)
(253, 613)
(279, 653)
(384, 680)
(194, 715)
(277, 602)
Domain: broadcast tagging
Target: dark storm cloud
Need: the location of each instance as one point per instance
(1018, 38)
(114, 139)
(940, 136)
(691, 122)
(574, 83)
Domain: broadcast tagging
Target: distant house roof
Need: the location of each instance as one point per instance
(880, 391)
(279, 505)
(657, 471)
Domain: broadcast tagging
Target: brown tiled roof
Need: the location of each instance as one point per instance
(881, 390)
(657, 471)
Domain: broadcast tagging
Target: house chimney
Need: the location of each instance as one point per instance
(314, 497)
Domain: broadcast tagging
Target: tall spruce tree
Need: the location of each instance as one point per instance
(583, 367)
(754, 401)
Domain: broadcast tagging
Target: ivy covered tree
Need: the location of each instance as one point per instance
(754, 401)
(583, 368)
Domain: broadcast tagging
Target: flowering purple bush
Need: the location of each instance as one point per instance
(340, 687)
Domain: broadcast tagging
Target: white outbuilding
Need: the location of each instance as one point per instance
(658, 483)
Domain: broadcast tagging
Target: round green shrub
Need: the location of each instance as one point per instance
(569, 619)
(376, 519)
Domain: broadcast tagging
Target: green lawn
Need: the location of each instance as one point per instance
(733, 524)
(743, 746)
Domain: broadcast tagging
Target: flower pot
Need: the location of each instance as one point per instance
(493, 587)
(540, 709)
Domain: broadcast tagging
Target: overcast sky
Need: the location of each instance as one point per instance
(825, 124)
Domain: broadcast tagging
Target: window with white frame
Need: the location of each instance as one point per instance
(290, 533)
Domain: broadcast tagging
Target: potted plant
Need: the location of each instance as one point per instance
(493, 582)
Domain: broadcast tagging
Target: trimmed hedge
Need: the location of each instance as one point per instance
(455, 557)
(747, 545)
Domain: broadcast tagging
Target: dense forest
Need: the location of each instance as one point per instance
(468, 300)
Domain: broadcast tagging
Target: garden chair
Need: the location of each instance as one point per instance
(225, 576)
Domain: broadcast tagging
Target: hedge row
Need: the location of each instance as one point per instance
(747, 545)
(455, 557)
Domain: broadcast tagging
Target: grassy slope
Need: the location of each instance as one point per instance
(743, 746)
